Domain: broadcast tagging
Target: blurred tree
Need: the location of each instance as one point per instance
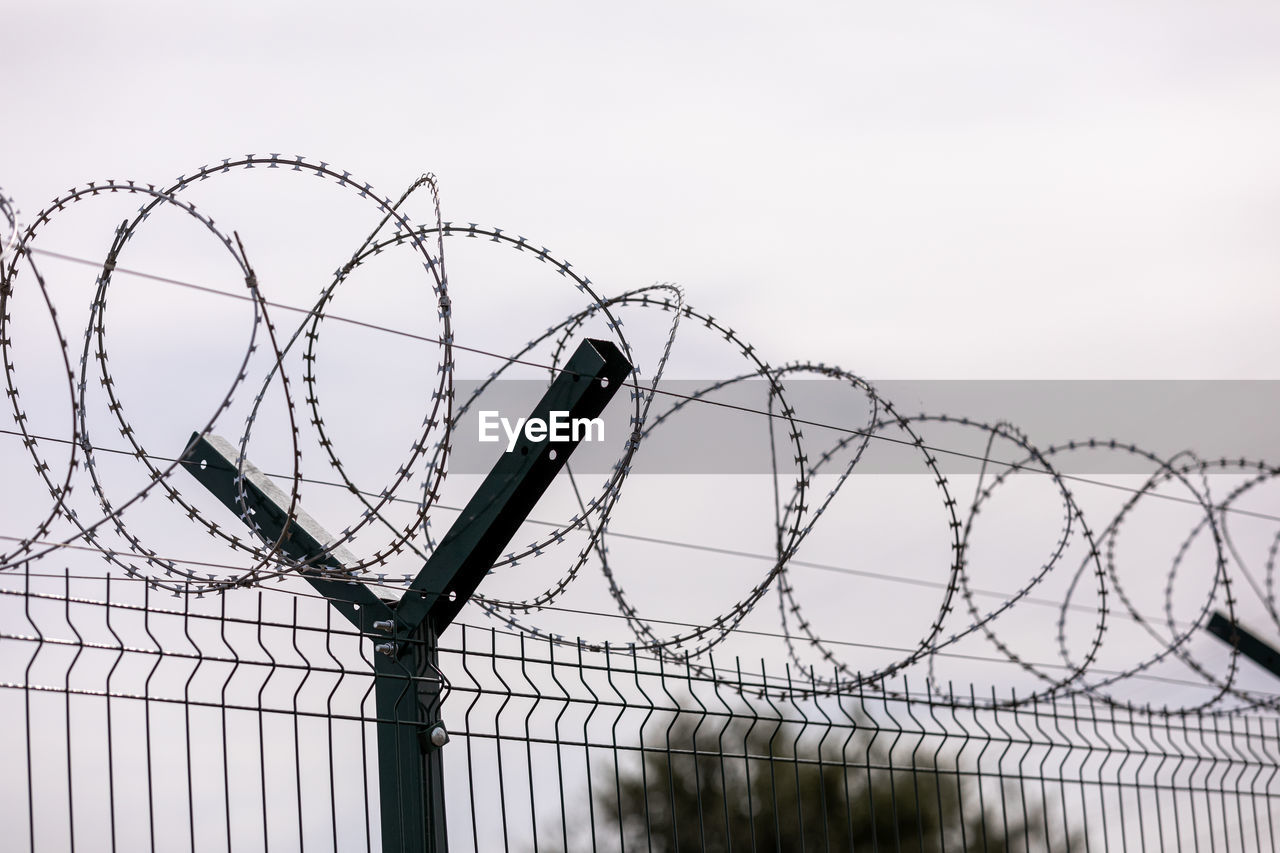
(745, 786)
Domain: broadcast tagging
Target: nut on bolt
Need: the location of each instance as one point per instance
(388, 625)
(388, 649)
(438, 735)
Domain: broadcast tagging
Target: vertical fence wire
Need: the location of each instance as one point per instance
(138, 721)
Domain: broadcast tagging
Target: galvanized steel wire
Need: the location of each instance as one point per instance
(799, 508)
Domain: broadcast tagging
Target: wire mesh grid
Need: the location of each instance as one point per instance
(134, 720)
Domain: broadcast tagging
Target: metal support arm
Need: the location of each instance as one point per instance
(405, 632)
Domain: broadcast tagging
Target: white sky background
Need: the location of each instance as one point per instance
(946, 190)
(927, 191)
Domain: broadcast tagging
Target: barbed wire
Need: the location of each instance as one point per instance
(797, 510)
(613, 533)
(701, 400)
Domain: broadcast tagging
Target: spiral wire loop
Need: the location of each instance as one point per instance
(799, 508)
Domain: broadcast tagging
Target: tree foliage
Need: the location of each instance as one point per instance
(750, 785)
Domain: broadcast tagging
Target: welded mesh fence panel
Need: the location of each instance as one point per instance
(137, 721)
(617, 752)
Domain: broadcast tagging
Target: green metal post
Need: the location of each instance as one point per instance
(405, 633)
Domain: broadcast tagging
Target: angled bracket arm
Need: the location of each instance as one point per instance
(513, 487)
(211, 459)
(411, 770)
(1249, 644)
(477, 537)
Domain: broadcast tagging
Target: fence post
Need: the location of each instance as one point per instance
(405, 633)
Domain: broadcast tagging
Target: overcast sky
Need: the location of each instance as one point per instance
(923, 191)
(910, 190)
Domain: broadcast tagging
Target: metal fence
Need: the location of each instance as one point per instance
(260, 694)
(134, 720)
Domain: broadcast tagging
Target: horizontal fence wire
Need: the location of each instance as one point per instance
(134, 720)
